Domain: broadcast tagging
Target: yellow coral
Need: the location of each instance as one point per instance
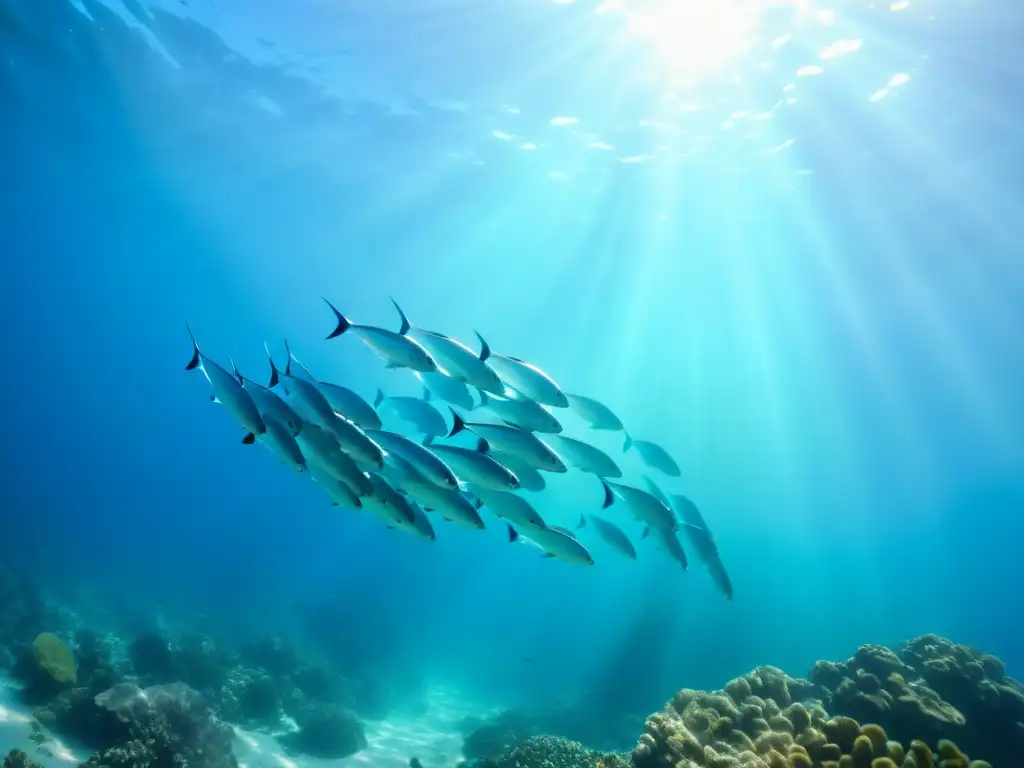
(877, 737)
(883, 762)
(896, 752)
(55, 658)
(863, 752)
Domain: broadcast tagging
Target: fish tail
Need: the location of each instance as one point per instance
(194, 362)
(458, 423)
(485, 348)
(609, 495)
(583, 521)
(343, 323)
(627, 443)
(274, 375)
(406, 326)
(379, 398)
(513, 534)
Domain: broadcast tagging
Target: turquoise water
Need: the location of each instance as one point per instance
(781, 244)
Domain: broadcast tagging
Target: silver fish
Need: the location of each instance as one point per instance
(524, 376)
(509, 506)
(644, 506)
(340, 494)
(421, 523)
(389, 505)
(525, 446)
(585, 457)
(400, 351)
(557, 543)
(350, 405)
(597, 414)
(323, 452)
(433, 468)
(228, 391)
(529, 478)
(450, 504)
(612, 535)
(425, 417)
(476, 467)
(521, 412)
(653, 455)
(271, 406)
(458, 360)
(669, 541)
(280, 440)
(445, 387)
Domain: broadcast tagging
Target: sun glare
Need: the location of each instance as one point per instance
(693, 37)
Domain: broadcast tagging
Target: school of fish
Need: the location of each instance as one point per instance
(338, 438)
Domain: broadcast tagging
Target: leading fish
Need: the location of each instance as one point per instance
(400, 351)
(458, 360)
(524, 445)
(612, 535)
(645, 506)
(524, 376)
(556, 543)
(228, 391)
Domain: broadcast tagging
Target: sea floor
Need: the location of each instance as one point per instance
(433, 737)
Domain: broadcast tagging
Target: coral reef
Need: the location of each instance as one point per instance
(551, 752)
(931, 689)
(326, 731)
(168, 725)
(18, 759)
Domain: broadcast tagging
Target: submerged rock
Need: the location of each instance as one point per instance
(326, 731)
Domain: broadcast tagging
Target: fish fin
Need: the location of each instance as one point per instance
(287, 359)
(379, 398)
(627, 443)
(214, 399)
(426, 394)
(249, 439)
(477, 502)
(519, 360)
(546, 556)
(646, 533)
(405, 320)
(428, 440)
(484, 400)
(234, 370)
(482, 446)
(343, 323)
(392, 364)
(485, 348)
(274, 375)
(583, 521)
(458, 423)
(194, 362)
(609, 495)
(513, 534)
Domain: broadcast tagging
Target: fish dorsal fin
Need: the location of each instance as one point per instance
(287, 359)
(627, 443)
(583, 521)
(646, 533)
(406, 327)
(343, 323)
(234, 370)
(274, 375)
(513, 534)
(426, 394)
(485, 348)
(519, 360)
(379, 398)
(482, 446)
(609, 495)
(249, 439)
(485, 400)
(196, 354)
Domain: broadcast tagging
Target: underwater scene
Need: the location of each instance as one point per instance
(512, 384)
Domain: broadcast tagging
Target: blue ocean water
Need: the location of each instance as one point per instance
(780, 242)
